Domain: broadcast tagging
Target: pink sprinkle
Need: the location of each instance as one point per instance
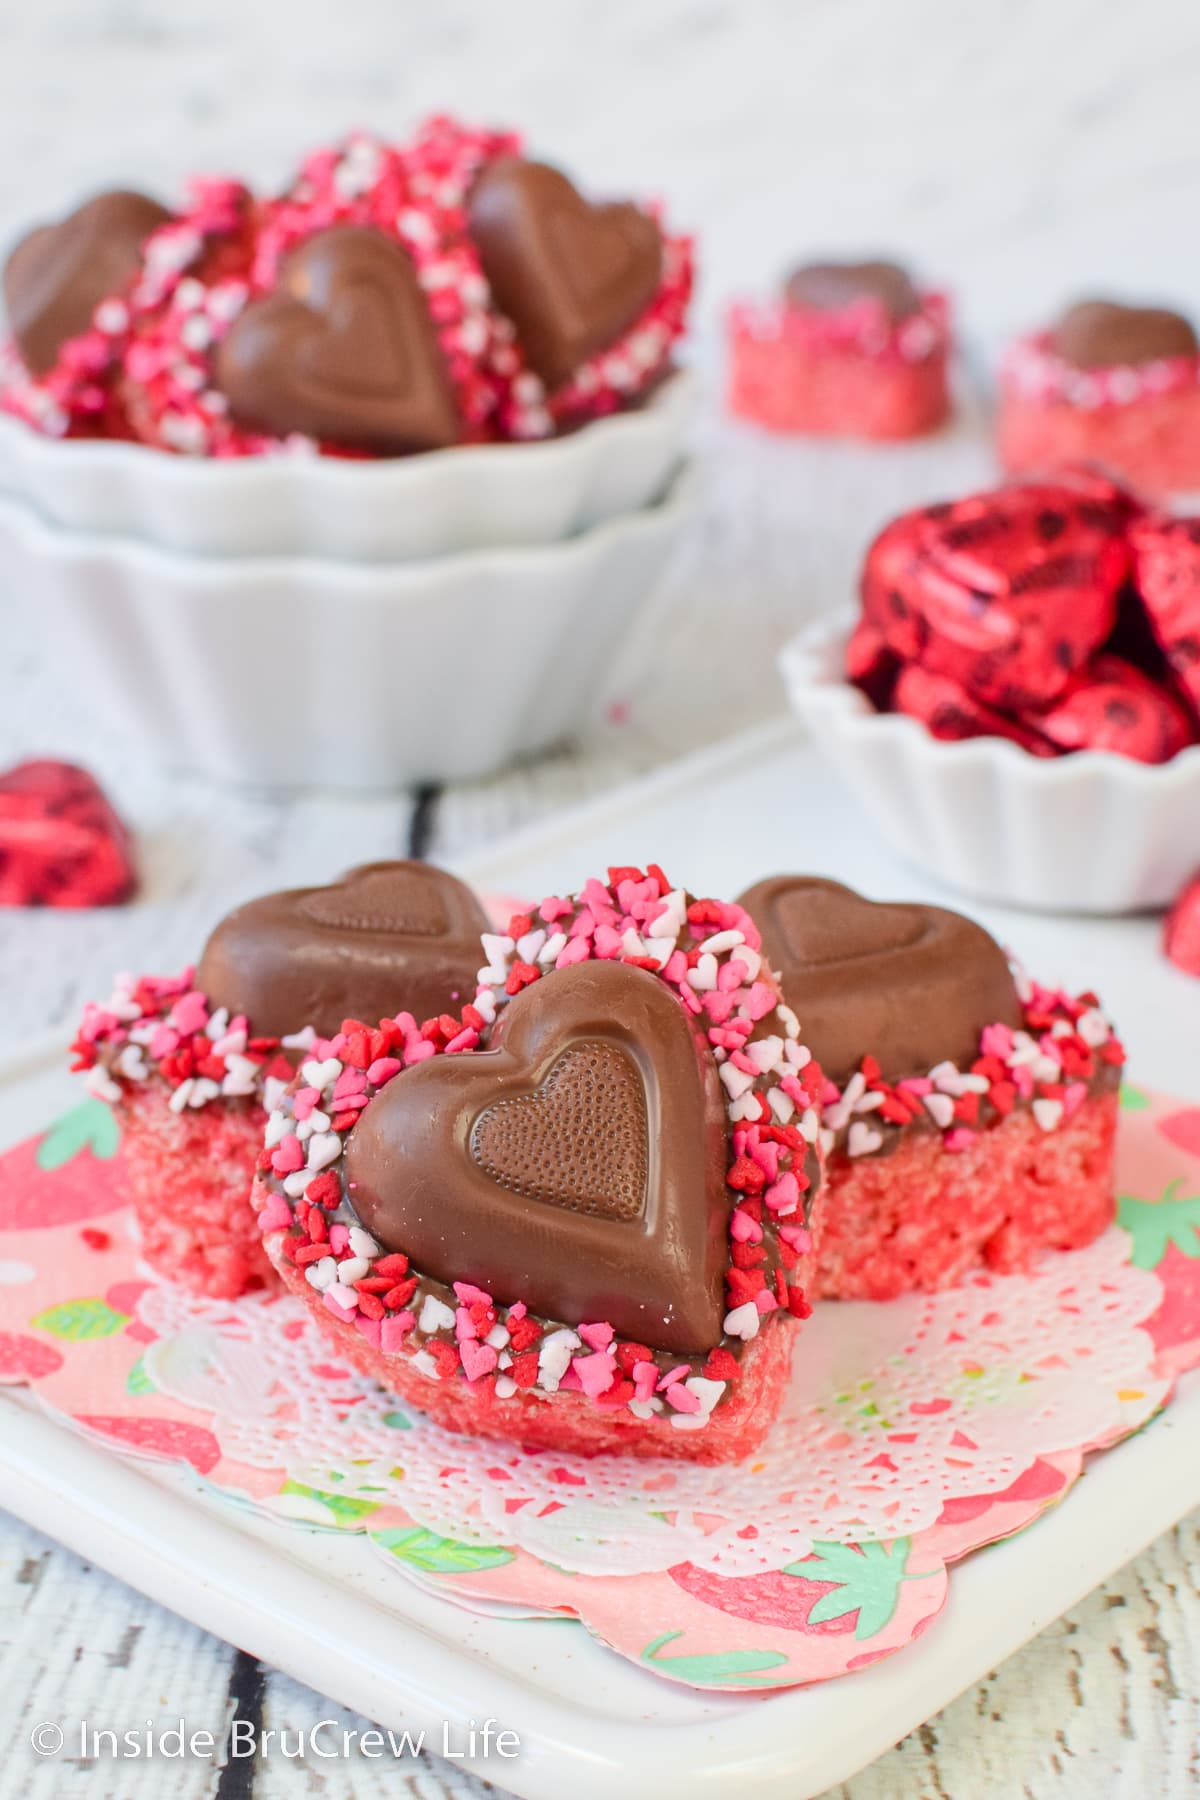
(672, 1375)
(682, 1398)
(607, 942)
(797, 1236)
(554, 908)
(783, 1196)
(418, 1050)
(765, 1300)
(675, 967)
(393, 1329)
(792, 1088)
(467, 1039)
(372, 1330)
(920, 1085)
(517, 1310)
(350, 1081)
(730, 977)
(718, 1005)
(958, 1138)
(645, 1380)
(471, 1296)
(339, 1238)
(741, 1061)
(288, 1155)
(477, 1359)
(340, 1301)
(464, 1325)
(743, 1229)
(997, 1040)
(190, 1013)
(276, 1215)
(163, 1043)
(304, 1101)
(575, 950)
(597, 1337)
(761, 1001)
(596, 1373)
(1074, 1096)
(767, 1158)
(570, 1380)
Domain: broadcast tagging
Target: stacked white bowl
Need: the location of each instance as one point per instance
(299, 619)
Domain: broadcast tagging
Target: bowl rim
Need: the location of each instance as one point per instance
(57, 542)
(807, 664)
(676, 391)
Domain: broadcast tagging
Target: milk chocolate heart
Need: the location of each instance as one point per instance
(910, 985)
(1098, 334)
(57, 276)
(829, 286)
(387, 937)
(344, 350)
(571, 276)
(578, 1166)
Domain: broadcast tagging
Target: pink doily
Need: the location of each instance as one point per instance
(914, 1431)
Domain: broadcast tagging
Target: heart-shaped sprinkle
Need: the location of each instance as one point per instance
(909, 985)
(579, 1165)
(57, 276)
(344, 350)
(571, 276)
(386, 937)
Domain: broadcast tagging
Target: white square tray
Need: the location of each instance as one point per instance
(590, 1723)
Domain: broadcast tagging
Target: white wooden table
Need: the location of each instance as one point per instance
(747, 136)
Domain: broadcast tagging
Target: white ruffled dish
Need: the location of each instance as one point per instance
(1091, 833)
(388, 510)
(297, 671)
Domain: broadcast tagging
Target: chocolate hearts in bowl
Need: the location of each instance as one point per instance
(580, 1164)
(57, 275)
(572, 276)
(344, 350)
(910, 985)
(386, 936)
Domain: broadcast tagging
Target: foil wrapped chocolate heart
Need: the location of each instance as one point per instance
(1100, 334)
(344, 350)
(1167, 571)
(1008, 593)
(830, 286)
(910, 985)
(572, 276)
(580, 1163)
(387, 937)
(61, 842)
(57, 275)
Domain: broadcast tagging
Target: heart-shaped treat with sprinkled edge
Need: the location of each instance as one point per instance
(580, 1163)
(387, 936)
(910, 985)
(571, 276)
(57, 275)
(344, 350)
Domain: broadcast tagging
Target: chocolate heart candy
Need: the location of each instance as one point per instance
(571, 276)
(579, 1166)
(1100, 334)
(344, 350)
(387, 937)
(57, 276)
(830, 286)
(910, 985)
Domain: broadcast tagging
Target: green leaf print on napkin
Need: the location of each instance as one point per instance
(1133, 1099)
(1154, 1225)
(719, 1668)
(867, 1578)
(137, 1381)
(436, 1555)
(78, 1320)
(342, 1506)
(88, 1126)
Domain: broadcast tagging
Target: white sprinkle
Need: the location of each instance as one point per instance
(1048, 1113)
(724, 940)
(323, 1274)
(736, 1080)
(273, 1091)
(1093, 1027)
(278, 1126)
(940, 1108)
(808, 1125)
(529, 945)
(742, 1322)
(781, 1104)
(504, 1387)
(101, 1086)
(555, 1356)
(362, 1243)
(295, 1183)
(218, 1024)
(320, 1074)
(202, 1091)
(553, 948)
(323, 1149)
(435, 1316)
(704, 976)
(353, 1269)
(863, 1139)
(765, 1052)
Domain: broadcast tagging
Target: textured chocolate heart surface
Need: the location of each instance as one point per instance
(57, 275)
(1098, 334)
(829, 286)
(387, 937)
(911, 985)
(578, 1166)
(343, 350)
(571, 276)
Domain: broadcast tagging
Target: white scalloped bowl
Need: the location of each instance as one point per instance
(1090, 833)
(298, 671)
(393, 509)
